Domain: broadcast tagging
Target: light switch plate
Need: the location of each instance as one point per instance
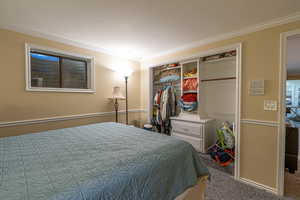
(257, 87)
(270, 105)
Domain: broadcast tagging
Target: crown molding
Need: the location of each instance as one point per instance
(64, 40)
(196, 55)
(250, 29)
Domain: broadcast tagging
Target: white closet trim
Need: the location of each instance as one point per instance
(282, 109)
(238, 48)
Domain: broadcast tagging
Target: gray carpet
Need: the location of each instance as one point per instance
(222, 186)
(206, 158)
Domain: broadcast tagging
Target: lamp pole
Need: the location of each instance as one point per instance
(116, 108)
(126, 96)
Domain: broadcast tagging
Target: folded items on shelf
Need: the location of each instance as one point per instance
(169, 78)
(190, 84)
(189, 97)
(192, 73)
(188, 106)
(173, 65)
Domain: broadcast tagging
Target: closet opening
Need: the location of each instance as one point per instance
(289, 173)
(218, 89)
(197, 99)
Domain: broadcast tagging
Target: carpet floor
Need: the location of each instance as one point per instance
(209, 162)
(222, 186)
(292, 184)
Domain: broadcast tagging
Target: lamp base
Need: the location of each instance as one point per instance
(116, 104)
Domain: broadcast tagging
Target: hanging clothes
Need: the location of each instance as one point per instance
(168, 103)
(165, 107)
(156, 121)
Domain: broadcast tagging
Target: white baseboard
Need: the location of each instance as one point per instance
(64, 118)
(259, 185)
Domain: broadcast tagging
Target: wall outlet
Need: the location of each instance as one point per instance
(270, 105)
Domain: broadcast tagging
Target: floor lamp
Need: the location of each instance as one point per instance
(126, 75)
(126, 97)
(117, 95)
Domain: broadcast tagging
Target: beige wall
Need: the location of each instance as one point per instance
(259, 153)
(23, 129)
(260, 60)
(17, 104)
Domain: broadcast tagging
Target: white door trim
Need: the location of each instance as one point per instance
(238, 109)
(238, 48)
(281, 114)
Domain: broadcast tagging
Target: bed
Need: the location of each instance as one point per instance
(105, 161)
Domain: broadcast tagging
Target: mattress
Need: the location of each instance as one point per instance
(105, 161)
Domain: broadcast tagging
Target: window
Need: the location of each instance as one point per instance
(54, 70)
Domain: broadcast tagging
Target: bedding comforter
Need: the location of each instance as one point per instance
(105, 161)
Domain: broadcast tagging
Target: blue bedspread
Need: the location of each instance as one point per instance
(105, 161)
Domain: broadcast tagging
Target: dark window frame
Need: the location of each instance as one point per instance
(88, 84)
(60, 66)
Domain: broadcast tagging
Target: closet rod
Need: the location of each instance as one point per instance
(218, 79)
(162, 83)
(170, 68)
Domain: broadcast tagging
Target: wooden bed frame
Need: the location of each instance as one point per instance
(196, 192)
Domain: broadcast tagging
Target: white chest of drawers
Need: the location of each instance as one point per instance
(200, 133)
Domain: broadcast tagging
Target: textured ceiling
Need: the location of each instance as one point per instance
(140, 28)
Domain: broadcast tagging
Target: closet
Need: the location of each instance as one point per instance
(218, 78)
(205, 97)
(165, 76)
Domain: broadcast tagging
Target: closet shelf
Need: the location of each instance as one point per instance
(190, 77)
(171, 68)
(161, 83)
(218, 79)
(189, 91)
(220, 59)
